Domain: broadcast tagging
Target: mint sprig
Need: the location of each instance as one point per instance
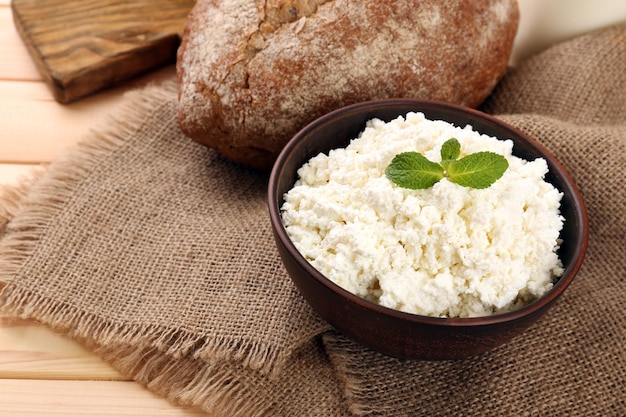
(478, 170)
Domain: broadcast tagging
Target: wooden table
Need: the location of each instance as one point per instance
(44, 374)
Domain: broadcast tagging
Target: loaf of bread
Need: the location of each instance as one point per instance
(253, 72)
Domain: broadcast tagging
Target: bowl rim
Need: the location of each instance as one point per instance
(498, 318)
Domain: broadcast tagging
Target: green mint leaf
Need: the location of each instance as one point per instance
(413, 170)
(478, 170)
(450, 150)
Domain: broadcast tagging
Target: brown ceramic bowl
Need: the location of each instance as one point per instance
(392, 332)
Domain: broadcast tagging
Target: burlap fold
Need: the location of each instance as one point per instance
(152, 250)
(158, 255)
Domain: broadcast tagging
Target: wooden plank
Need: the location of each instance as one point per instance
(35, 128)
(83, 46)
(28, 398)
(32, 351)
(12, 173)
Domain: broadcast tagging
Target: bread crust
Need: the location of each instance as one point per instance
(252, 73)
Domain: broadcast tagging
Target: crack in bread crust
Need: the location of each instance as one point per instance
(275, 13)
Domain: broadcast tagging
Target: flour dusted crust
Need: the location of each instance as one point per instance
(252, 73)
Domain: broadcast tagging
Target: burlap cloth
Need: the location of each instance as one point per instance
(158, 255)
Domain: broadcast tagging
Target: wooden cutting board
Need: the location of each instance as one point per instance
(83, 46)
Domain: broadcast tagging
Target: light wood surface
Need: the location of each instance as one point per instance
(45, 374)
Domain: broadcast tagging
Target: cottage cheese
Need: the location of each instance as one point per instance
(446, 251)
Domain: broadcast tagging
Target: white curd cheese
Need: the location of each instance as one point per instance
(445, 251)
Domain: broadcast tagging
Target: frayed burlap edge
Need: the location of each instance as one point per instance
(40, 197)
(44, 199)
(195, 364)
(226, 388)
(11, 196)
(214, 384)
(187, 381)
(65, 319)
